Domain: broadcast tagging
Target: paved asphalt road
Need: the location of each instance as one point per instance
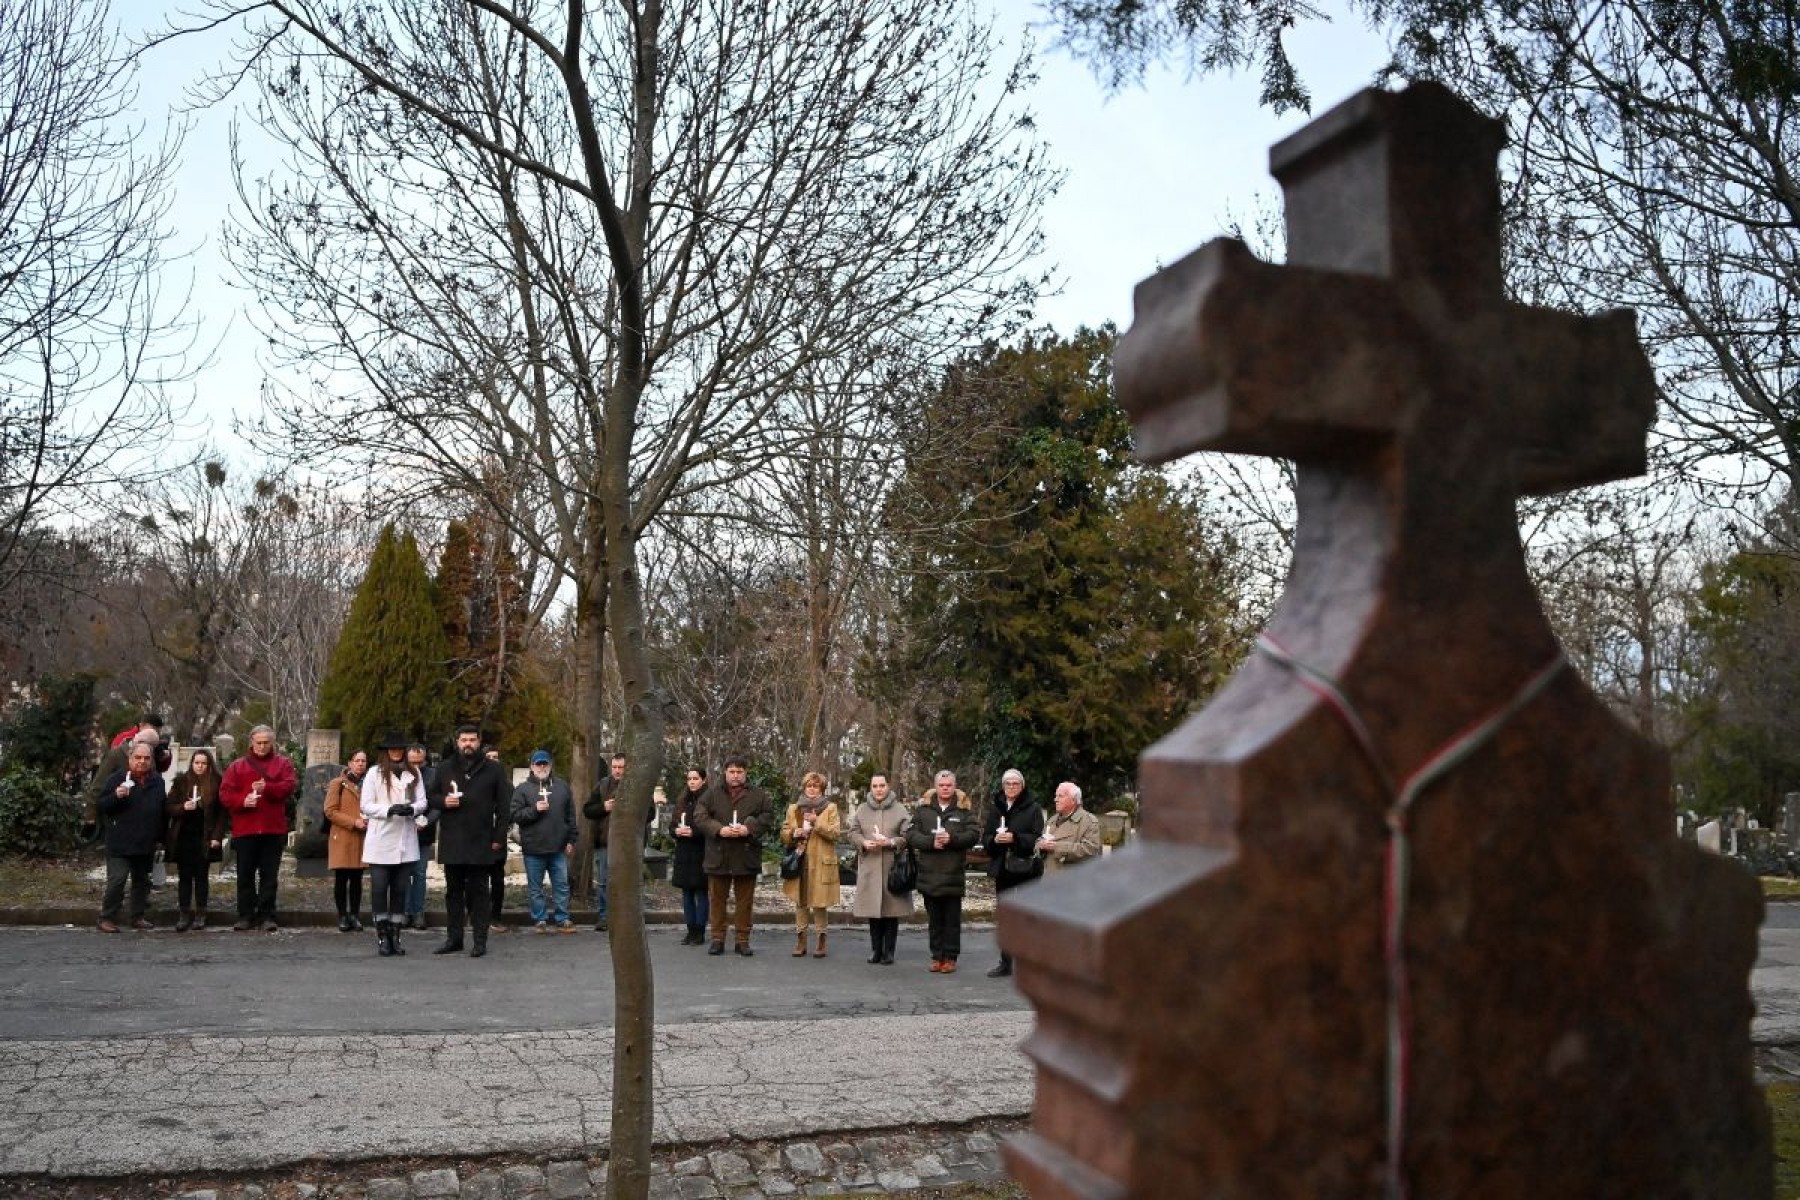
(58, 983)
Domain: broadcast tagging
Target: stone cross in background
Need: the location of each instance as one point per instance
(1408, 916)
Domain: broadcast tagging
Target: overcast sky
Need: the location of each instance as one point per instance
(1152, 172)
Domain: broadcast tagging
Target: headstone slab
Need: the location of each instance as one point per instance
(324, 746)
(1215, 1003)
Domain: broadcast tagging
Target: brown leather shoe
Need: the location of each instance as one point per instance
(108, 927)
(949, 967)
(937, 964)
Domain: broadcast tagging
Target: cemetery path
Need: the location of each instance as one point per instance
(245, 1052)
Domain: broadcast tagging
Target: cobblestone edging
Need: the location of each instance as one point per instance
(879, 1164)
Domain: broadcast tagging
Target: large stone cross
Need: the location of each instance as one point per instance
(1408, 916)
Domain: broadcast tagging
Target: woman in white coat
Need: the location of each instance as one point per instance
(393, 803)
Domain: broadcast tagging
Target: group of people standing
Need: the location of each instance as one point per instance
(386, 817)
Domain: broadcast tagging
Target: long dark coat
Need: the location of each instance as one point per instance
(468, 833)
(1025, 821)
(687, 868)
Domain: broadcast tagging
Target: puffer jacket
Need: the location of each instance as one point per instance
(941, 871)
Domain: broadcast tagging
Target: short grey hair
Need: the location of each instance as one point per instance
(261, 729)
(1013, 773)
(945, 774)
(1074, 789)
(147, 736)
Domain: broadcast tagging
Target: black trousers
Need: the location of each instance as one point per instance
(194, 884)
(389, 884)
(884, 932)
(346, 890)
(496, 889)
(943, 916)
(258, 863)
(466, 889)
(1002, 885)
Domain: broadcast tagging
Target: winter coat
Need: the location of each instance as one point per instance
(473, 834)
(595, 810)
(817, 886)
(887, 820)
(1025, 821)
(545, 833)
(135, 821)
(343, 809)
(941, 871)
(190, 834)
(1077, 839)
(687, 867)
(391, 840)
(733, 856)
(271, 812)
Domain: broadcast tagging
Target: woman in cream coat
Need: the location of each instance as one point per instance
(393, 803)
(878, 831)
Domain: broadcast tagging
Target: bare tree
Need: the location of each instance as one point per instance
(85, 342)
(599, 246)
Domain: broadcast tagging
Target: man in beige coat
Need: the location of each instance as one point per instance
(1072, 835)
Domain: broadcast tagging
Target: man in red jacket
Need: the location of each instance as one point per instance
(256, 790)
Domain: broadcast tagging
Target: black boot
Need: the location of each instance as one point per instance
(877, 940)
(1004, 969)
(453, 943)
(893, 936)
(394, 937)
(480, 946)
(384, 944)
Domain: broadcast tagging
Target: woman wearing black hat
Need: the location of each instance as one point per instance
(393, 803)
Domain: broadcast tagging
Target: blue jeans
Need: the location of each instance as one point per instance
(693, 907)
(557, 865)
(600, 877)
(415, 895)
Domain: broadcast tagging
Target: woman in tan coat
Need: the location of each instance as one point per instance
(343, 810)
(813, 825)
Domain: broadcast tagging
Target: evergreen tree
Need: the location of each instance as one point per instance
(387, 670)
(454, 590)
(1069, 606)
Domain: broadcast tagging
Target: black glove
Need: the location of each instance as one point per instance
(400, 810)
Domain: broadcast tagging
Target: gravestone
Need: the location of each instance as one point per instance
(225, 747)
(310, 838)
(324, 746)
(1711, 837)
(1418, 923)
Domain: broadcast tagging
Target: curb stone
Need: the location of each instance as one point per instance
(881, 1164)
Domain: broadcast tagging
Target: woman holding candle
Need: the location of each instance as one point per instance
(195, 836)
(343, 810)
(687, 870)
(1009, 835)
(943, 829)
(393, 806)
(811, 826)
(878, 831)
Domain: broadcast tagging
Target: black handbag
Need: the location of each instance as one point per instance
(1017, 865)
(903, 875)
(792, 863)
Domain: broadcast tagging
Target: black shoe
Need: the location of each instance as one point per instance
(1001, 971)
(356, 924)
(344, 925)
(744, 949)
(875, 958)
(479, 949)
(243, 925)
(410, 921)
(716, 948)
(269, 926)
(450, 946)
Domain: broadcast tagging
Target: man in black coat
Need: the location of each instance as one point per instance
(1009, 835)
(132, 801)
(469, 797)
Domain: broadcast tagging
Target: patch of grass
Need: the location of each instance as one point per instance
(1784, 1116)
(1775, 887)
(50, 883)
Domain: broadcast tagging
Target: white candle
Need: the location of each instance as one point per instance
(734, 816)
(196, 796)
(543, 793)
(1002, 828)
(940, 827)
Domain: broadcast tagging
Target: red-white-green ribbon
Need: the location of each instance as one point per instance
(1397, 873)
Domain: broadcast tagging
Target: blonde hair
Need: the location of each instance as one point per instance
(810, 779)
